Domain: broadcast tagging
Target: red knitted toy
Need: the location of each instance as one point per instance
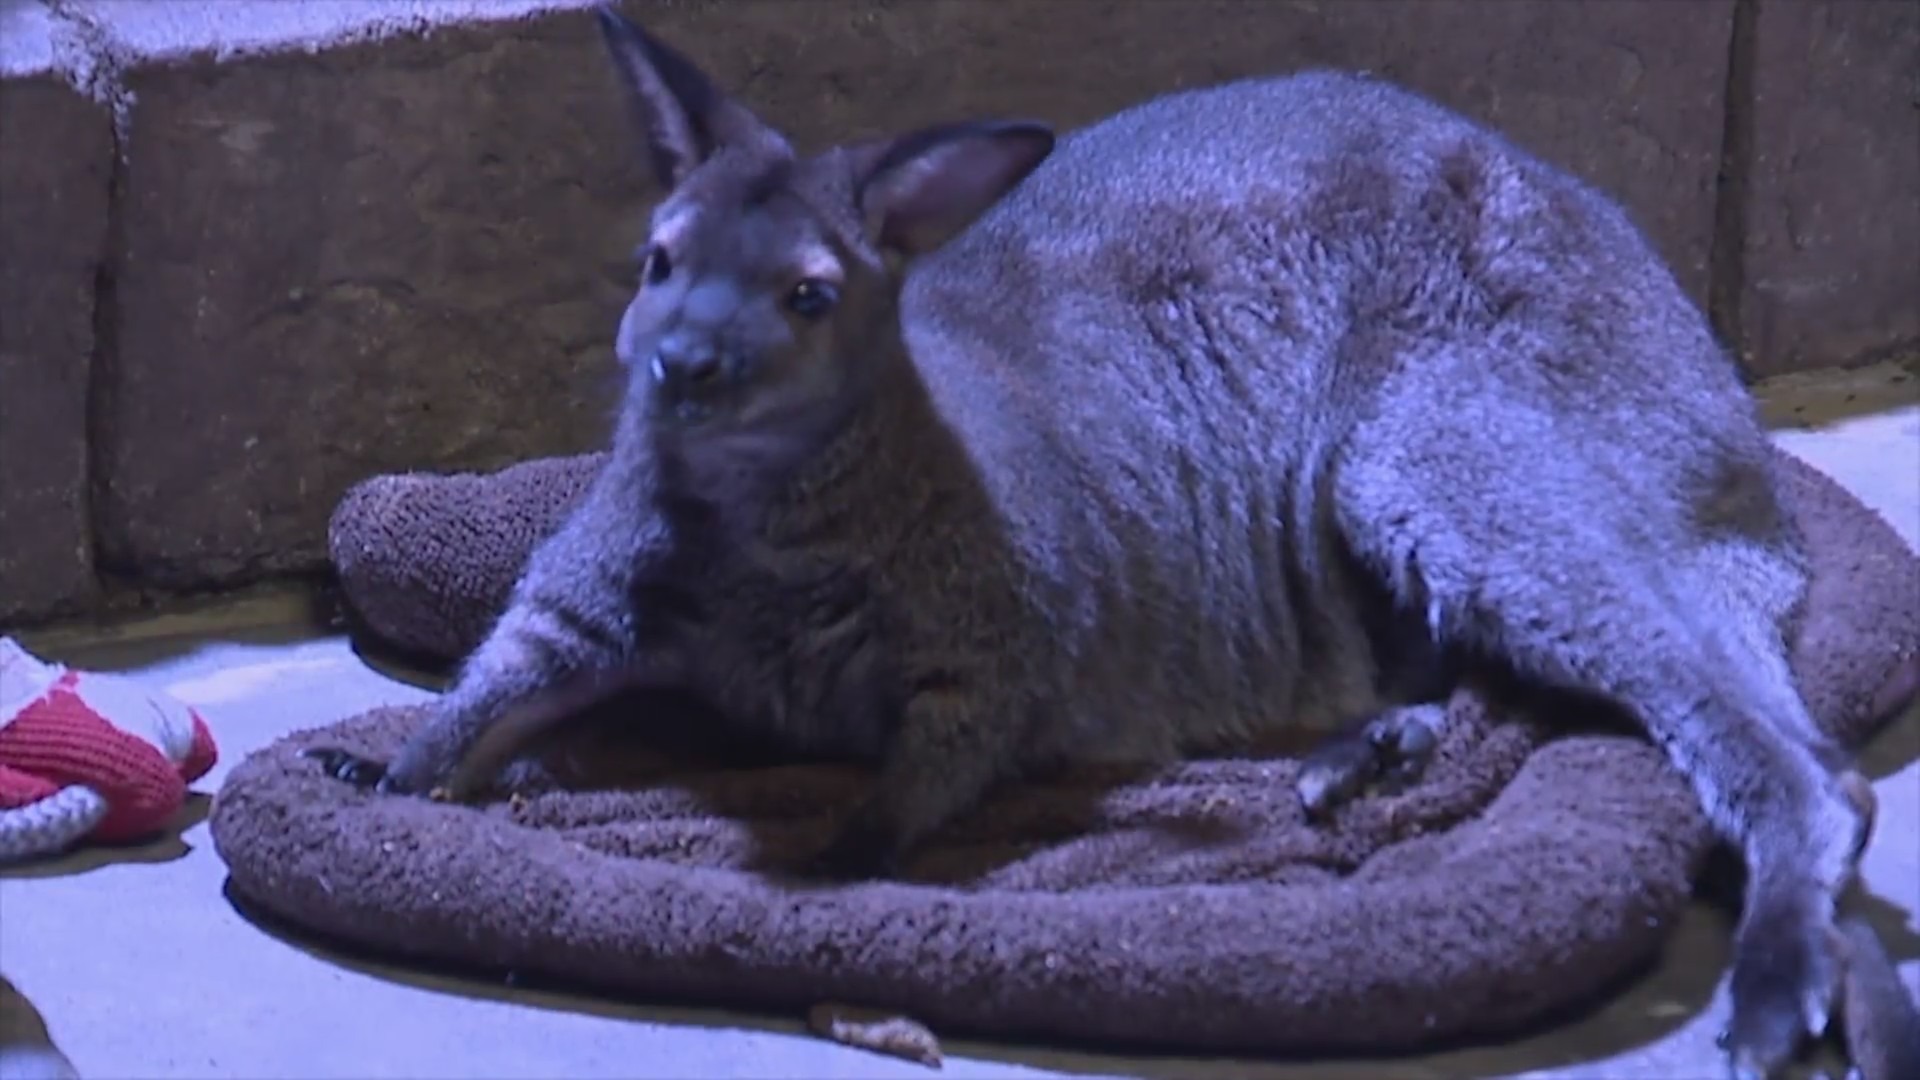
(89, 756)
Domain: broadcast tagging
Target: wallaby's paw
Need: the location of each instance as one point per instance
(1389, 753)
(420, 768)
(387, 778)
(347, 766)
(1786, 975)
(1335, 774)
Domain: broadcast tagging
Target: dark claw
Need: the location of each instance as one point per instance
(1403, 751)
(1335, 774)
(1407, 746)
(349, 767)
(1389, 754)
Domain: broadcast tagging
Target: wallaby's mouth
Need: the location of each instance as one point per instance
(693, 394)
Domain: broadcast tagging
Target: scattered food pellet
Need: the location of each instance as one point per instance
(876, 1030)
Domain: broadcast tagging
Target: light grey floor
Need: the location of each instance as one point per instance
(143, 969)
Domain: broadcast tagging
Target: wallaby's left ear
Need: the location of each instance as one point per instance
(686, 118)
(923, 188)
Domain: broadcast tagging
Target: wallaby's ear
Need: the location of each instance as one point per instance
(686, 117)
(917, 191)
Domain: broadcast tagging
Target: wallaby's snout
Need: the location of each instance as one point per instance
(684, 367)
(690, 369)
(703, 339)
(723, 350)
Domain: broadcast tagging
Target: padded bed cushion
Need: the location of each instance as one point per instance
(1195, 909)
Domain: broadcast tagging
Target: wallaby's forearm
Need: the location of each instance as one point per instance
(567, 639)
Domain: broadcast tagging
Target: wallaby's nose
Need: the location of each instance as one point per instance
(685, 367)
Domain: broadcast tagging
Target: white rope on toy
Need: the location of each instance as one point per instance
(51, 824)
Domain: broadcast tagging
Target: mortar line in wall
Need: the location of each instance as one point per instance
(1727, 257)
(101, 374)
(102, 79)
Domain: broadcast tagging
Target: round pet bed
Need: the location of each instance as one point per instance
(1194, 909)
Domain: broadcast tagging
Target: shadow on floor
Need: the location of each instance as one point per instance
(1816, 399)
(278, 614)
(169, 846)
(1892, 748)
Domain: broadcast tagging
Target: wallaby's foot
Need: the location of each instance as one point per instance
(1789, 955)
(1786, 977)
(1790, 958)
(1389, 753)
(866, 848)
(348, 767)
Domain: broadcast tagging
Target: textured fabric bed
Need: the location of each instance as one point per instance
(1195, 908)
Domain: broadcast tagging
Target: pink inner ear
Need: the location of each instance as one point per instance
(925, 199)
(927, 184)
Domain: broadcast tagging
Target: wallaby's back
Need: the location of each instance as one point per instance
(1160, 346)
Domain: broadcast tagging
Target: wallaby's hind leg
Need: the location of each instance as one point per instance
(1387, 753)
(1526, 561)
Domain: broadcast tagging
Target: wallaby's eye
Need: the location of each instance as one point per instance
(655, 267)
(812, 298)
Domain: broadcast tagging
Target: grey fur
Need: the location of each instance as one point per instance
(1264, 405)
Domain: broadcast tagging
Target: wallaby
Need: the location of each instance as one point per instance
(1281, 403)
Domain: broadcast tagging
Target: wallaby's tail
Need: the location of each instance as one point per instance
(27, 1051)
(1879, 1019)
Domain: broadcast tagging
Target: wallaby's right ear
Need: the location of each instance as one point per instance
(917, 191)
(686, 117)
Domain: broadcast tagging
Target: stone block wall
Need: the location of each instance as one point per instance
(252, 251)
(1828, 211)
(56, 161)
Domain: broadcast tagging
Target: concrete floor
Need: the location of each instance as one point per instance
(143, 968)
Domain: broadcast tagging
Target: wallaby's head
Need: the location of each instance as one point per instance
(768, 281)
